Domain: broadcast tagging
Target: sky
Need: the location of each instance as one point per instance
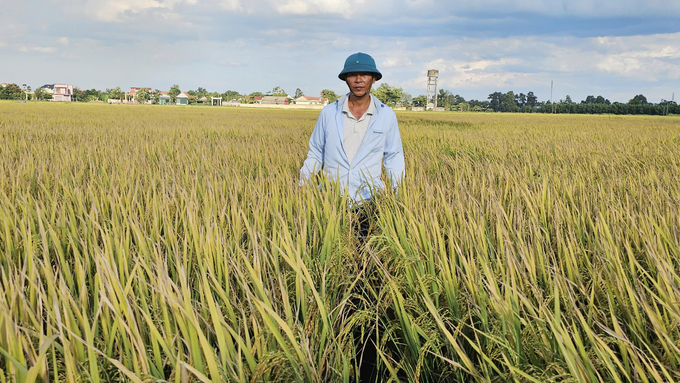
(613, 48)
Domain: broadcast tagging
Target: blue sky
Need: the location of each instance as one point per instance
(616, 49)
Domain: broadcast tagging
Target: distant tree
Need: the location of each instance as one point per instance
(12, 92)
(201, 92)
(298, 93)
(462, 107)
(482, 104)
(532, 100)
(91, 95)
(638, 100)
(567, 100)
(495, 100)
(39, 94)
(420, 101)
(278, 92)
(256, 94)
(406, 99)
(191, 92)
(508, 103)
(521, 99)
(156, 96)
(458, 99)
(79, 95)
(602, 100)
(390, 96)
(330, 95)
(589, 100)
(143, 95)
(230, 95)
(173, 93)
(116, 94)
(445, 99)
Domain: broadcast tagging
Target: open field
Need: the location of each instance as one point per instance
(145, 244)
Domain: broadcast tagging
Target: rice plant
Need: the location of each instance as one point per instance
(174, 244)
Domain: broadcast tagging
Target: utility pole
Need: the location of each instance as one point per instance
(665, 113)
(552, 104)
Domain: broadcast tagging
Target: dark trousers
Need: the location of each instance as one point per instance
(365, 344)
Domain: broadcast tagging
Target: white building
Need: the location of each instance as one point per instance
(308, 100)
(59, 92)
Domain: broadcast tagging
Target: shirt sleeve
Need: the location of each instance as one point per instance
(315, 156)
(394, 154)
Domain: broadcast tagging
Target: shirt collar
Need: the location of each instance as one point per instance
(369, 111)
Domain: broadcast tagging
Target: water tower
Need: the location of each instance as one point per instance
(432, 76)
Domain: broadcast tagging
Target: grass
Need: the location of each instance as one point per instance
(145, 243)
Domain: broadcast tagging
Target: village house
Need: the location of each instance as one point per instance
(132, 93)
(182, 99)
(164, 98)
(59, 92)
(308, 100)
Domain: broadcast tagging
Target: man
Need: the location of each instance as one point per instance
(356, 136)
(353, 139)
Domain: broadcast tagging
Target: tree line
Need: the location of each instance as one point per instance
(520, 103)
(392, 96)
(526, 103)
(144, 95)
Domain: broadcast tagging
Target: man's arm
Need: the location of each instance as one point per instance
(315, 156)
(394, 154)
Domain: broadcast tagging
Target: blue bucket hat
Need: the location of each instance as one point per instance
(359, 62)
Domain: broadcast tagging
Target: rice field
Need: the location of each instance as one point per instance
(173, 244)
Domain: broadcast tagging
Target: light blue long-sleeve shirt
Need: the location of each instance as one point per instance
(380, 147)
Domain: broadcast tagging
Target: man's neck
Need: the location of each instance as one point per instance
(359, 103)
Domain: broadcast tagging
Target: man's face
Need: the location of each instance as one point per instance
(360, 83)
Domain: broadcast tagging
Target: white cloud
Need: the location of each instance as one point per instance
(645, 67)
(406, 37)
(342, 42)
(120, 10)
(648, 58)
(231, 5)
(595, 9)
(474, 74)
(397, 61)
(304, 7)
(37, 49)
(586, 65)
